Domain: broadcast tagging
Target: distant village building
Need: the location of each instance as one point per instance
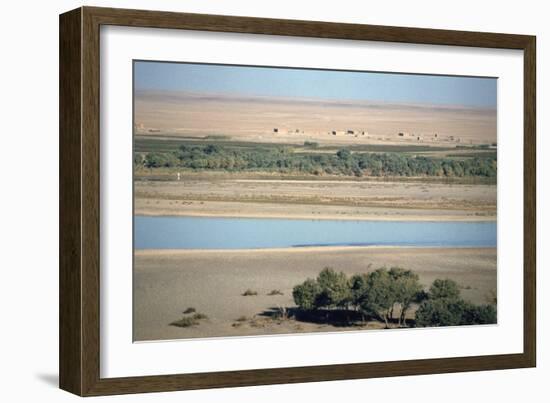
(350, 132)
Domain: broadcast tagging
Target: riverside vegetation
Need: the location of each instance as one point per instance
(261, 158)
(387, 295)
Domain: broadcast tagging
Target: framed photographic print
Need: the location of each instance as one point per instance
(249, 201)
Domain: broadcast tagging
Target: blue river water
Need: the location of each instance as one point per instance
(251, 233)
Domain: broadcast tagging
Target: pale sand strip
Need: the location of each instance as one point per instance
(202, 196)
(166, 282)
(389, 216)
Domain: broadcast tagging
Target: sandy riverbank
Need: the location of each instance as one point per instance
(314, 199)
(167, 282)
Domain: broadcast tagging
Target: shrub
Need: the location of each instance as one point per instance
(189, 310)
(185, 322)
(249, 293)
(440, 312)
(454, 312)
(275, 292)
(200, 316)
(480, 315)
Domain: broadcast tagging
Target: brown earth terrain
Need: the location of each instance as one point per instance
(297, 120)
(167, 282)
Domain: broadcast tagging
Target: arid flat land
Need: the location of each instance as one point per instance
(297, 120)
(229, 196)
(168, 282)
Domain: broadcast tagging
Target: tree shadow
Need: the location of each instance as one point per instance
(333, 317)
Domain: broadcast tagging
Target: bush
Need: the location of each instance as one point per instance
(444, 289)
(189, 310)
(275, 292)
(200, 316)
(185, 322)
(454, 312)
(440, 312)
(480, 315)
(249, 293)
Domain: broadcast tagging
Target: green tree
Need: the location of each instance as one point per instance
(305, 295)
(406, 290)
(379, 297)
(334, 289)
(444, 289)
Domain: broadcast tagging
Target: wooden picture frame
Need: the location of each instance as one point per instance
(79, 346)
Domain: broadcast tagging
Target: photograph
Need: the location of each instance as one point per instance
(272, 200)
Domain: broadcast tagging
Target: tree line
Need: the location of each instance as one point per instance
(388, 295)
(342, 162)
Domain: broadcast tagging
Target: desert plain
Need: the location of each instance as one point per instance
(218, 132)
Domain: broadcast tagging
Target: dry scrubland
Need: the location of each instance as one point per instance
(166, 283)
(254, 118)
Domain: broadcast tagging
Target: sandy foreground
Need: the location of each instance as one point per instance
(315, 199)
(166, 282)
